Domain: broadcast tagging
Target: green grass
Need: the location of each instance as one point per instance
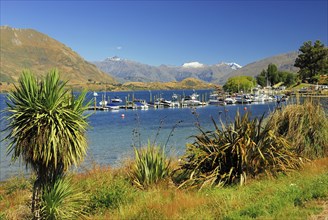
(297, 87)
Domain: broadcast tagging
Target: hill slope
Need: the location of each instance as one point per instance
(284, 62)
(188, 83)
(27, 48)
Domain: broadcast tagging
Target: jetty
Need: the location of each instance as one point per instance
(98, 108)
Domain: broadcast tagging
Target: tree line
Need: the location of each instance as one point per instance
(312, 62)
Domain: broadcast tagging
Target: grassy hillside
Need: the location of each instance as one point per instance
(27, 48)
(284, 62)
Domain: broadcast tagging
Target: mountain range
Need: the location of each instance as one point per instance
(127, 70)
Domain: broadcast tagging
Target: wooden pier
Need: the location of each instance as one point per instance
(98, 108)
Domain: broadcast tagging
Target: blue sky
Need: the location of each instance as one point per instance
(174, 32)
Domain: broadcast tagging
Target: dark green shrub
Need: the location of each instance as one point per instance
(232, 152)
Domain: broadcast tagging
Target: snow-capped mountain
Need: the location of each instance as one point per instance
(233, 66)
(127, 70)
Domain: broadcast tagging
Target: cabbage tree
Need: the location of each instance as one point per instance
(46, 129)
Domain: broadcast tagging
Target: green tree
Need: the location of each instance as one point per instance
(312, 61)
(274, 76)
(261, 80)
(46, 129)
(272, 72)
(291, 79)
(239, 83)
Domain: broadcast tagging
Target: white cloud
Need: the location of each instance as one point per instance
(119, 48)
(193, 65)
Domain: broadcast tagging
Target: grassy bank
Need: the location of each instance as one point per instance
(110, 195)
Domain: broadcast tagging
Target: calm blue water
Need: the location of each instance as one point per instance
(111, 137)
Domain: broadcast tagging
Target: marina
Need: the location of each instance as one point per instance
(179, 101)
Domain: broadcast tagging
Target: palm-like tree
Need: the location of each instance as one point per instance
(46, 129)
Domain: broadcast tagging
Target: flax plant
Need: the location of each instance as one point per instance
(232, 152)
(46, 129)
(151, 165)
(63, 200)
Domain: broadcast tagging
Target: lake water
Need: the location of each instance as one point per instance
(110, 137)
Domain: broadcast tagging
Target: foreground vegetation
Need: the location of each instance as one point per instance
(110, 195)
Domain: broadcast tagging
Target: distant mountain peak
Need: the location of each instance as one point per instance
(193, 65)
(114, 58)
(232, 65)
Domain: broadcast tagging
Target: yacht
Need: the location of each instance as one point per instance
(243, 99)
(113, 106)
(216, 100)
(116, 99)
(229, 100)
(191, 100)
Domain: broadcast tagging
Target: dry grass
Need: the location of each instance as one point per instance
(164, 202)
(318, 166)
(305, 126)
(160, 204)
(15, 197)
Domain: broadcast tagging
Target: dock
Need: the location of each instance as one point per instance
(98, 108)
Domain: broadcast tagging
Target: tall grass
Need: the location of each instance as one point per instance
(232, 152)
(305, 126)
(151, 165)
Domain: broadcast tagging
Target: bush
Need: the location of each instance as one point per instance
(229, 154)
(305, 126)
(151, 166)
